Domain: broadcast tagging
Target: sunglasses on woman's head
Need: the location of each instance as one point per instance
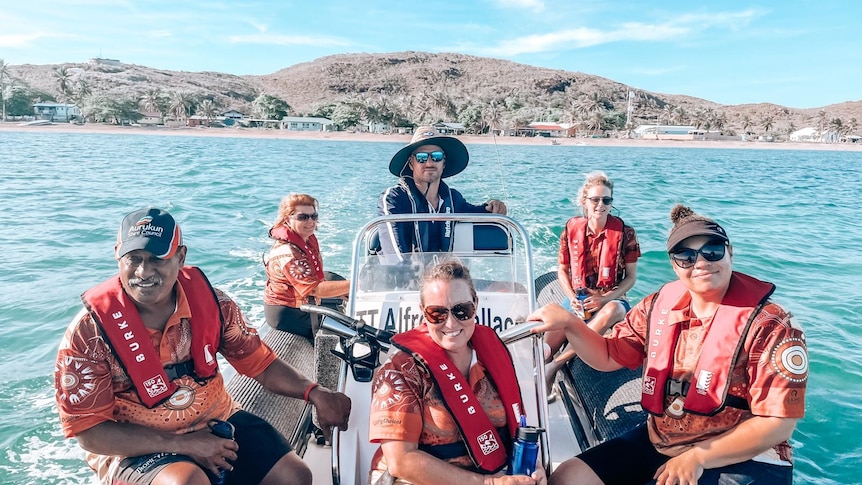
(711, 251)
(423, 157)
(304, 217)
(437, 314)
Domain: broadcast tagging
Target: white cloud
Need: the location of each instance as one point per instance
(23, 40)
(683, 26)
(585, 37)
(536, 5)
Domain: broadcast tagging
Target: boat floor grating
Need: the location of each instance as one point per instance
(282, 412)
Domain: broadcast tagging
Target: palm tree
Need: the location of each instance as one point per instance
(767, 123)
(5, 81)
(180, 105)
(207, 109)
(746, 123)
(590, 103)
(821, 122)
(680, 115)
(64, 81)
(81, 91)
(666, 115)
(837, 125)
(154, 100)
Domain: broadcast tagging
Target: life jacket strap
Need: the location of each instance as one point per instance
(673, 387)
(183, 369)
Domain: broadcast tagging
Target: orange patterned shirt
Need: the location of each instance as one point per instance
(291, 274)
(92, 387)
(406, 405)
(759, 375)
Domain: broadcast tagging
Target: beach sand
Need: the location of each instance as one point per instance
(404, 139)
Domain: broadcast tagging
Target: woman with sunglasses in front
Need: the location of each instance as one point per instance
(725, 372)
(446, 405)
(598, 258)
(294, 269)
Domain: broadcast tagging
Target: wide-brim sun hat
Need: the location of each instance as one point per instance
(456, 153)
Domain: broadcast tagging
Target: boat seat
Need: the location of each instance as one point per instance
(284, 413)
(611, 400)
(481, 237)
(467, 237)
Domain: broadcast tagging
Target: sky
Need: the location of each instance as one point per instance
(795, 53)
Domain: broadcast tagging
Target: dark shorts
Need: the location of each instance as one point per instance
(289, 319)
(632, 459)
(260, 448)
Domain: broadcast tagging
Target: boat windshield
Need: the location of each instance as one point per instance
(386, 293)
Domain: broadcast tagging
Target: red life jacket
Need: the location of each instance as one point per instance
(482, 440)
(708, 394)
(311, 248)
(117, 316)
(576, 231)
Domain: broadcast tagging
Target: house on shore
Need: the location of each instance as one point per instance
(302, 123)
(151, 118)
(674, 132)
(59, 112)
(450, 128)
(811, 134)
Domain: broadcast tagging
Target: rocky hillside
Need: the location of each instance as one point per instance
(414, 87)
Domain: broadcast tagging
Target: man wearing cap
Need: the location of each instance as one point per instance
(137, 381)
(421, 167)
(725, 372)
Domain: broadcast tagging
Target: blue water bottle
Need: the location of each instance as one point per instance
(525, 451)
(225, 430)
(582, 294)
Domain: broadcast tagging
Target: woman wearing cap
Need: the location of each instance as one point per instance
(294, 270)
(421, 167)
(598, 254)
(725, 372)
(446, 405)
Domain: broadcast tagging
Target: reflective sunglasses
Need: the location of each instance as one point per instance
(603, 200)
(711, 252)
(437, 314)
(304, 217)
(422, 157)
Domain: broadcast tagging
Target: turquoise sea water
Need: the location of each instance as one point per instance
(793, 218)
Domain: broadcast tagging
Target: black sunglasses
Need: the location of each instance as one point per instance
(437, 314)
(712, 252)
(304, 217)
(423, 157)
(603, 200)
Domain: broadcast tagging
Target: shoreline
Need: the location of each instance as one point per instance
(405, 139)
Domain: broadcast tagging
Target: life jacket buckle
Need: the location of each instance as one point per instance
(673, 387)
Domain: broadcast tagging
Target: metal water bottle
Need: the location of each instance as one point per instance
(582, 294)
(222, 429)
(525, 451)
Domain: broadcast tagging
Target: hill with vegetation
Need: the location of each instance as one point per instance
(403, 88)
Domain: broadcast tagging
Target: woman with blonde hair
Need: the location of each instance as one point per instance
(598, 259)
(294, 270)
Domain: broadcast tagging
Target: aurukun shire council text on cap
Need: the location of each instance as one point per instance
(153, 230)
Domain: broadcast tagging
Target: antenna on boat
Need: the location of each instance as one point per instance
(500, 166)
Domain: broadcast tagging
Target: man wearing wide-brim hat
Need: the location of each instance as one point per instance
(421, 167)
